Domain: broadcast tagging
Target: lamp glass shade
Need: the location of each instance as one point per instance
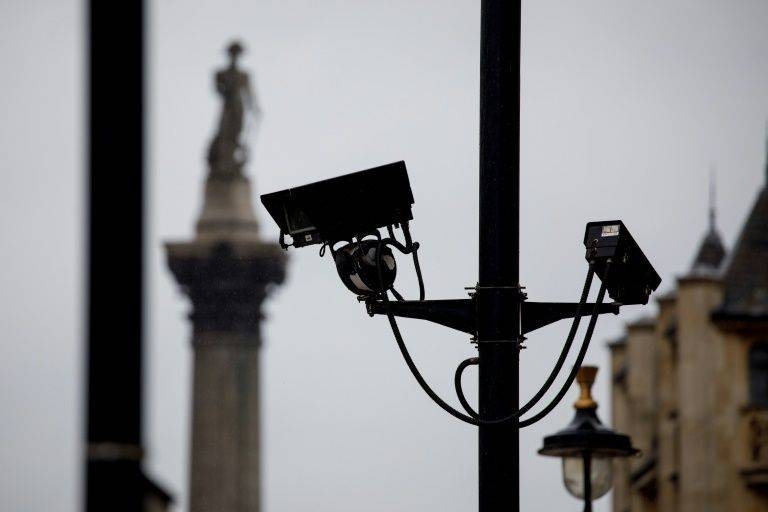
(601, 473)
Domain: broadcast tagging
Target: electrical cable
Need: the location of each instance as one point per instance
(410, 247)
(558, 365)
(409, 242)
(457, 384)
(415, 371)
(407, 356)
(396, 294)
(417, 267)
(397, 245)
(436, 398)
(566, 347)
(579, 358)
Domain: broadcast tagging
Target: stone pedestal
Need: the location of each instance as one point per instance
(227, 210)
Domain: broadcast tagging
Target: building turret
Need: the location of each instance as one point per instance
(746, 276)
(711, 251)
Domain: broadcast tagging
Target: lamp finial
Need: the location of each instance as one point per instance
(586, 377)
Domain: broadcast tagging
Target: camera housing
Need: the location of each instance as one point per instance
(356, 264)
(631, 277)
(342, 208)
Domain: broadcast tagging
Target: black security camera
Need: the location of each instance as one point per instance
(344, 214)
(342, 208)
(631, 278)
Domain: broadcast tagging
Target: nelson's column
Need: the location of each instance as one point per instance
(226, 271)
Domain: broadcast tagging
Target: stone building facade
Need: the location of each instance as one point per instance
(690, 385)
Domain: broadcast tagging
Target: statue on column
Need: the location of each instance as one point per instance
(227, 153)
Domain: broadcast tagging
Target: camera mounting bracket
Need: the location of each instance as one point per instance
(460, 314)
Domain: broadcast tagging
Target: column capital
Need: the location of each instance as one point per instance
(227, 282)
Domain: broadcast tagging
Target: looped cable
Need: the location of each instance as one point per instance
(407, 356)
(555, 371)
(566, 347)
(457, 384)
(579, 359)
(445, 406)
(410, 247)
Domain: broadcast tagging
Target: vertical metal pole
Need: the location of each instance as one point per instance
(114, 480)
(587, 458)
(498, 294)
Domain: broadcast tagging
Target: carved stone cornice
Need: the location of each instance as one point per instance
(226, 282)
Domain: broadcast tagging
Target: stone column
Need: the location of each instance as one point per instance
(227, 272)
(226, 283)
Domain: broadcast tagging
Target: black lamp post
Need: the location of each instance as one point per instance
(587, 447)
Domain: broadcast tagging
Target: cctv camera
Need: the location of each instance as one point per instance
(342, 208)
(344, 214)
(631, 278)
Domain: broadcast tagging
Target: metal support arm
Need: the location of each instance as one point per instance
(538, 314)
(460, 314)
(457, 314)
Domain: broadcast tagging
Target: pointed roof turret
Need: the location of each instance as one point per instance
(746, 277)
(711, 251)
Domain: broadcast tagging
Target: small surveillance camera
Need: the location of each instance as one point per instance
(631, 278)
(342, 208)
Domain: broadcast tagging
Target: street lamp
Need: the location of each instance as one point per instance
(587, 447)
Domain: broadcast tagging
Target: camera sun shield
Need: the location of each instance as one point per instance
(343, 207)
(631, 277)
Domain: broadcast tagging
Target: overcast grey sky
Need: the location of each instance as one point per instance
(625, 107)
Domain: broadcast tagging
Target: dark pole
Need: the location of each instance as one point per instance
(498, 293)
(587, 482)
(114, 479)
